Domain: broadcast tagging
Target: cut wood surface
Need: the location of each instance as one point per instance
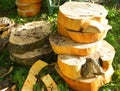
(31, 79)
(74, 14)
(70, 65)
(91, 84)
(64, 45)
(30, 57)
(49, 83)
(29, 36)
(83, 37)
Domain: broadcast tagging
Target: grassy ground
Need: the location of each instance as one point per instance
(19, 73)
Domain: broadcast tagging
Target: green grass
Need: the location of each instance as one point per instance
(19, 73)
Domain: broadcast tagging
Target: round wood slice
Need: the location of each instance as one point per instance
(30, 57)
(70, 65)
(83, 37)
(30, 36)
(74, 14)
(91, 84)
(64, 45)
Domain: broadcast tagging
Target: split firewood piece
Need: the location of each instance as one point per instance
(49, 83)
(64, 45)
(29, 36)
(31, 79)
(70, 66)
(74, 14)
(90, 84)
(28, 58)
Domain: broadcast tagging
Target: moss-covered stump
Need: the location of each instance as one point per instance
(29, 36)
(28, 58)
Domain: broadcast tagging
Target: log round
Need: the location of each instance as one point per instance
(30, 57)
(74, 14)
(91, 84)
(28, 6)
(83, 37)
(29, 36)
(64, 45)
(70, 65)
(28, 13)
(28, 1)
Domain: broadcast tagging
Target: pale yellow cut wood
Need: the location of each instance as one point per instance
(73, 14)
(93, 26)
(49, 83)
(91, 84)
(70, 66)
(64, 45)
(31, 79)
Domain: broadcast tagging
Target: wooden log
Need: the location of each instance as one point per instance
(64, 45)
(74, 14)
(28, 1)
(32, 6)
(29, 36)
(31, 79)
(30, 57)
(83, 37)
(91, 84)
(70, 65)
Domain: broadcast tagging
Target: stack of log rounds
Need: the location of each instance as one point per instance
(81, 20)
(28, 8)
(84, 58)
(29, 42)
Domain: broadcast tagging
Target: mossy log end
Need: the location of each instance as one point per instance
(30, 57)
(20, 49)
(29, 36)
